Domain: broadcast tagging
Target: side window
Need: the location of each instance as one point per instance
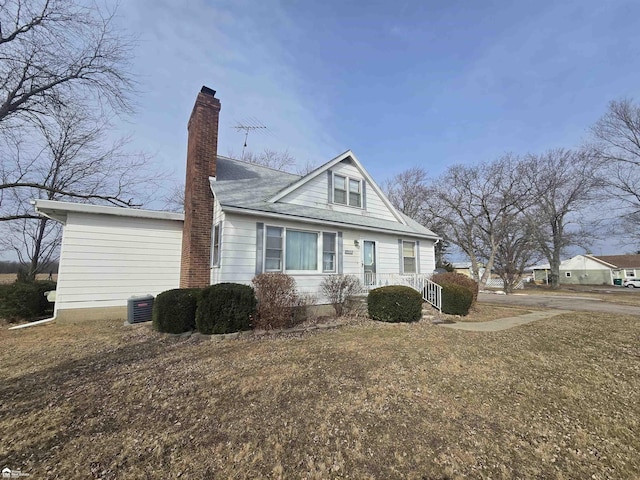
(328, 252)
(273, 251)
(567, 274)
(215, 254)
(409, 257)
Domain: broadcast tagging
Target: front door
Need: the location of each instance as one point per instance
(369, 262)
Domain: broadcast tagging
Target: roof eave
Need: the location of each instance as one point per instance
(355, 226)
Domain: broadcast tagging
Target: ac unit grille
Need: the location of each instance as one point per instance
(139, 309)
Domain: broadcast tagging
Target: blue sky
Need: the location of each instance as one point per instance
(426, 83)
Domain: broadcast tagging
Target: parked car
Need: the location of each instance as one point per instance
(631, 282)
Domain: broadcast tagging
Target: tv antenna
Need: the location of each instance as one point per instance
(247, 127)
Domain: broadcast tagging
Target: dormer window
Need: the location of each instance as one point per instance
(347, 191)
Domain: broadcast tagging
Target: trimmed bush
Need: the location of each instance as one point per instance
(338, 289)
(174, 311)
(395, 303)
(454, 278)
(24, 300)
(456, 299)
(278, 301)
(225, 308)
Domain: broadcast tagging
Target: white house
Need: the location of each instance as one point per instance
(240, 220)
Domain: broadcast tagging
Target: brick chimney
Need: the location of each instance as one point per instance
(202, 150)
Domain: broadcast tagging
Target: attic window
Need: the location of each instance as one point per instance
(347, 191)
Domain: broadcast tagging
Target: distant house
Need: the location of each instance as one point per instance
(240, 220)
(593, 270)
(465, 268)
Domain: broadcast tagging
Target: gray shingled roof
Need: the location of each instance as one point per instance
(247, 186)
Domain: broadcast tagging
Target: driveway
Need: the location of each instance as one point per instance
(560, 302)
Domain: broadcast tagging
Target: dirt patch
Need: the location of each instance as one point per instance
(553, 399)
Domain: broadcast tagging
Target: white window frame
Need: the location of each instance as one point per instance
(264, 250)
(319, 253)
(347, 190)
(629, 275)
(414, 257)
(215, 246)
(334, 252)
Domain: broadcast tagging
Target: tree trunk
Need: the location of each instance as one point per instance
(37, 246)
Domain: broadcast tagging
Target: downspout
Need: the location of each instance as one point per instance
(33, 324)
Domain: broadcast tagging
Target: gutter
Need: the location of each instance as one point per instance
(263, 213)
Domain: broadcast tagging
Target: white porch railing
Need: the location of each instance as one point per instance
(431, 292)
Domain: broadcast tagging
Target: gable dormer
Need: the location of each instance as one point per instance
(340, 185)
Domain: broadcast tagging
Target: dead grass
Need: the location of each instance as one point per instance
(484, 312)
(557, 398)
(11, 277)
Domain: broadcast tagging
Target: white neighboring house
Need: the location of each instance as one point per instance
(240, 220)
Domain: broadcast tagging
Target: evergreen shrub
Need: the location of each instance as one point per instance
(395, 303)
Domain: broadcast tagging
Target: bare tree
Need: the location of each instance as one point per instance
(306, 168)
(564, 184)
(278, 160)
(617, 146)
(475, 204)
(65, 157)
(53, 52)
(517, 250)
(407, 191)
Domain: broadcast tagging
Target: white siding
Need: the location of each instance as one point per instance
(106, 259)
(315, 193)
(238, 262)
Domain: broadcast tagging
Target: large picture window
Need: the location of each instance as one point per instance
(302, 250)
(409, 257)
(291, 250)
(347, 191)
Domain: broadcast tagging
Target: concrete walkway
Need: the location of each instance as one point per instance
(503, 323)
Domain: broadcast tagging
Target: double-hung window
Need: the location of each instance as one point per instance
(273, 251)
(328, 252)
(347, 191)
(409, 257)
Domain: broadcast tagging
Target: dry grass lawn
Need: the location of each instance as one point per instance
(557, 398)
(485, 311)
(11, 277)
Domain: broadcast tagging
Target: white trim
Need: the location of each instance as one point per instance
(331, 163)
(353, 226)
(58, 211)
